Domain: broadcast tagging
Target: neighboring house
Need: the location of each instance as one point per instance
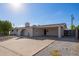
(40, 30)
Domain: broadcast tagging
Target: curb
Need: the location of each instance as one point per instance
(43, 48)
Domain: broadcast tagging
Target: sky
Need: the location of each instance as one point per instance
(40, 13)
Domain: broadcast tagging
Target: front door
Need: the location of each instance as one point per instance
(22, 32)
(44, 32)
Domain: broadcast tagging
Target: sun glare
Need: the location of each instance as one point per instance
(15, 6)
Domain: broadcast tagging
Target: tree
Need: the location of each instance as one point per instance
(5, 27)
(0, 26)
(72, 27)
(72, 19)
(78, 27)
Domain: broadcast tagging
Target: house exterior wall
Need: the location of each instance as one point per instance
(62, 31)
(18, 32)
(52, 31)
(38, 32)
(25, 32)
(14, 32)
(28, 32)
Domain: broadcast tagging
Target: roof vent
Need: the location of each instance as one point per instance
(27, 24)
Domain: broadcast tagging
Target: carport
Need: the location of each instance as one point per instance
(49, 30)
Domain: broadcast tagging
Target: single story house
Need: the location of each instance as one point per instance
(40, 30)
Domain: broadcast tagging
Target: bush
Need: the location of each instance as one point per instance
(5, 27)
(72, 27)
(55, 53)
(78, 27)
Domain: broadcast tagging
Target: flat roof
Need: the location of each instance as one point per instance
(43, 26)
(51, 25)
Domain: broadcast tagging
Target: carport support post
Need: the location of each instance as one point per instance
(59, 32)
(76, 33)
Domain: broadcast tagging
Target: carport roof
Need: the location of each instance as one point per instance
(51, 25)
(44, 26)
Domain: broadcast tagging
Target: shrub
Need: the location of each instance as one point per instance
(55, 53)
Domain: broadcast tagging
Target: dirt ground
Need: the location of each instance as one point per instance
(62, 47)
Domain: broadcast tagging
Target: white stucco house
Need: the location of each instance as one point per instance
(40, 30)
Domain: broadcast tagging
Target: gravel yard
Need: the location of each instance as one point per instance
(40, 46)
(64, 47)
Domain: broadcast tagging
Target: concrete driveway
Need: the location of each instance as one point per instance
(23, 46)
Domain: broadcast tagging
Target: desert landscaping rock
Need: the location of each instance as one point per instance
(66, 48)
(46, 47)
